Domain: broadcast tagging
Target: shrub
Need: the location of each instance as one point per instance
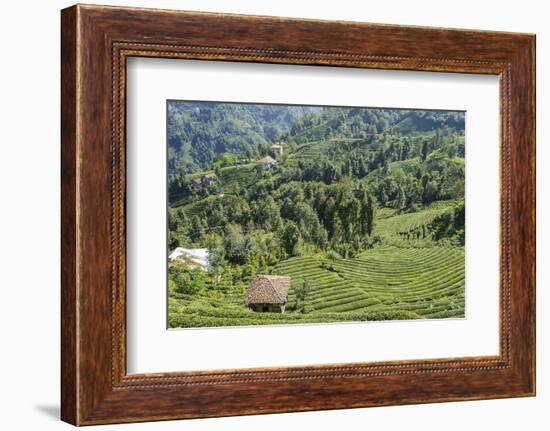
(333, 255)
(186, 280)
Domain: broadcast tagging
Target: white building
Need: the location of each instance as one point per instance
(278, 148)
(195, 256)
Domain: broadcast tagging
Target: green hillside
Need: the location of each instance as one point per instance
(198, 132)
(363, 209)
(382, 284)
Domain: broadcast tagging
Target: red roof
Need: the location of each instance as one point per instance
(266, 159)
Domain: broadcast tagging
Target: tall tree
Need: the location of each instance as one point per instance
(236, 244)
(400, 200)
(290, 237)
(425, 149)
(366, 217)
(302, 296)
(196, 229)
(348, 212)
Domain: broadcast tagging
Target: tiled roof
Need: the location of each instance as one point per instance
(266, 159)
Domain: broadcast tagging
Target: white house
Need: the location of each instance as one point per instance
(278, 148)
(195, 256)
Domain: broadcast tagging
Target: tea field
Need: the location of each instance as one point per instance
(404, 277)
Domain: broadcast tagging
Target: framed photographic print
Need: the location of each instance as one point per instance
(266, 215)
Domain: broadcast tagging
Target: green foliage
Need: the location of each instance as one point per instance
(290, 236)
(225, 160)
(196, 228)
(364, 210)
(199, 132)
(185, 279)
(384, 283)
(236, 244)
(410, 229)
(301, 293)
(332, 255)
(449, 225)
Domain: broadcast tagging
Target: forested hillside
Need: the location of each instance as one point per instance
(355, 208)
(198, 132)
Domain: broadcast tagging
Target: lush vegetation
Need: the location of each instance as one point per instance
(198, 133)
(364, 209)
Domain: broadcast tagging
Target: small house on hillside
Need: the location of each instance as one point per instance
(204, 180)
(277, 148)
(268, 162)
(197, 257)
(268, 293)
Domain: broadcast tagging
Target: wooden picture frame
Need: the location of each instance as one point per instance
(95, 43)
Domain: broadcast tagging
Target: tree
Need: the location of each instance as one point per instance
(236, 244)
(405, 150)
(308, 222)
(459, 217)
(259, 169)
(382, 124)
(348, 212)
(173, 240)
(425, 149)
(328, 214)
(216, 259)
(266, 214)
(196, 229)
(379, 159)
(302, 297)
(366, 217)
(217, 218)
(429, 190)
(185, 279)
(290, 237)
(449, 225)
(400, 200)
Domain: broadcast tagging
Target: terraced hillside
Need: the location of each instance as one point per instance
(409, 229)
(428, 282)
(406, 276)
(384, 283)
(242, 175)
(363, 208)
(198, 206)
(311, 150)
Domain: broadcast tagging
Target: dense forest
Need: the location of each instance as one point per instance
(200, 132)
(262, 186)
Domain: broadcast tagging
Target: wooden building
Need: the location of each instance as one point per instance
(268, 293)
